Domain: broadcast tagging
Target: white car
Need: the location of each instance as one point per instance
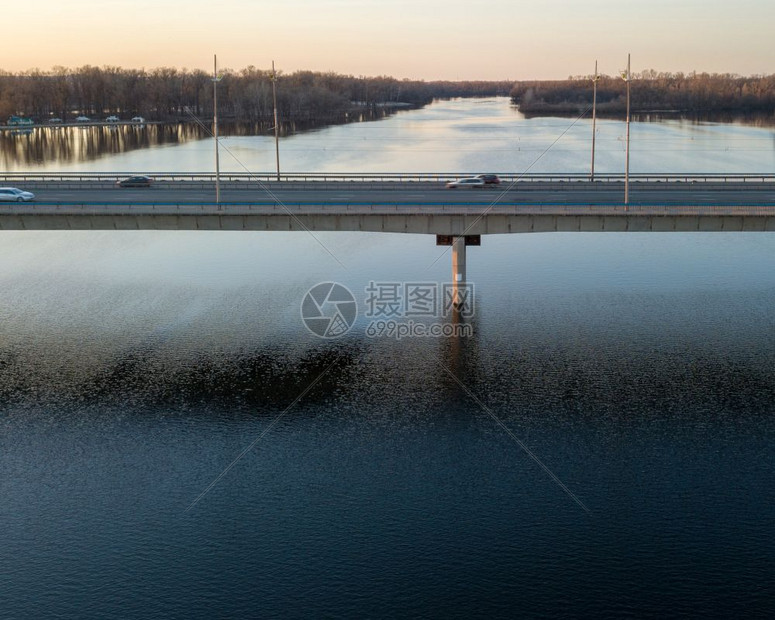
(12, 194)
(138, 119)
(82, 119)
(112, 119)
(471, 182)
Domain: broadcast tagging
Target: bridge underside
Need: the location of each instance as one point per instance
(435, 224)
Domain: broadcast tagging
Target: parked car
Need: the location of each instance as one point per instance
(82, 119)
(471, 182)
(112, 119)
(138, 181)
(13, 194)
(138, 119)
(489, 179)
(54, 121)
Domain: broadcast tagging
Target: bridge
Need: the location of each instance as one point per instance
(418, 204)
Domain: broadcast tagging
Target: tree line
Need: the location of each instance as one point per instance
(650, 91)
(167, 94)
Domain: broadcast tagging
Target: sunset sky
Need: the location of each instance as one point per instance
(428, 39)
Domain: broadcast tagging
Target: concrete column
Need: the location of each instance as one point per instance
(458, 268)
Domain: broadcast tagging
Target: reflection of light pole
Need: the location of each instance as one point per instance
(626, 78)
(594, 118)
(276, 126)
(216, 79)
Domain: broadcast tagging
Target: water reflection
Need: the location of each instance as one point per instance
(21, 149)
(44, 145)
(748, 119)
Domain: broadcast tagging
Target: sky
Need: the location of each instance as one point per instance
(416, 39)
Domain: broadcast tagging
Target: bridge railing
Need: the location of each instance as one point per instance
(237, 179)
(367, 209)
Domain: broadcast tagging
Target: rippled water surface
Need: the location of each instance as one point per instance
(175, 443)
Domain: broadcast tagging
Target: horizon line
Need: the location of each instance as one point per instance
(53, 70)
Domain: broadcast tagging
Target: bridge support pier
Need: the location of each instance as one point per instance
(458, 271)
(458, 243)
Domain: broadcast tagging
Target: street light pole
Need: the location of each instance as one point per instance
(627, 147)
(276, 126)
(595, 80)
(216, 79)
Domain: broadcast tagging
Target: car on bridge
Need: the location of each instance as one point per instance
(489, 179)
(136, 181)
(471, 182)
(13, 194)
(112, 119)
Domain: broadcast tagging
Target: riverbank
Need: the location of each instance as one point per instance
(251, 94)
(650, 93)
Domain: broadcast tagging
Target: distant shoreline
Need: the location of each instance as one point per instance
(251, 95)
(650, 93)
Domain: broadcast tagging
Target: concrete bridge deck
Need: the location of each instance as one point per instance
(402, 207)
(428, 219)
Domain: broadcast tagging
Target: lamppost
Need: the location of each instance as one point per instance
(215, 80)
(595, 80)
(276, 126)
(626, 78)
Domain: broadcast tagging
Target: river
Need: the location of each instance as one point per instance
(174, 442)
(448, 136)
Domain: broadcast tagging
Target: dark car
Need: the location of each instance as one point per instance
(135, 182)
(489, 179)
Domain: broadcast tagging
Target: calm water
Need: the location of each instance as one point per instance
(637, 369)
(448, 136)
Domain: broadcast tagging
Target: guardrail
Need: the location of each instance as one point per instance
(344, 209)
(15, 178)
